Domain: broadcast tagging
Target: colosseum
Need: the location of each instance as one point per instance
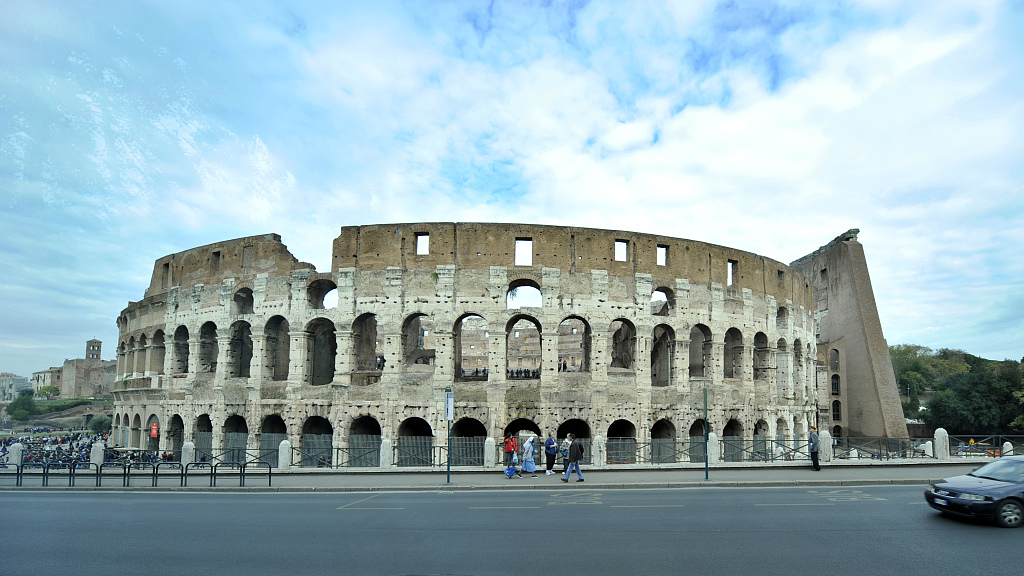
(244, 352)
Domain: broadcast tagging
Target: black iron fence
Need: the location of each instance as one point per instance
(981, 446)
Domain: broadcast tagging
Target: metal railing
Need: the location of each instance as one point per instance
(416, 454)
(983, 446)
(880, 448)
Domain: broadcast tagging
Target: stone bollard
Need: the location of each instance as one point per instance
(941, 444)
(854, 454)
(386, 454)
(96, 454)
(600, 455)
(825, 449)
(14, 453)
(714, 450)
(188, 454)
(1007, 449)
(284, 455)
(929, 449)
(489, 452)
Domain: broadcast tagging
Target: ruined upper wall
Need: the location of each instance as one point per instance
(240, 259)
(478, 246)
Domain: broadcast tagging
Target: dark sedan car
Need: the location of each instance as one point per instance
(994, 491)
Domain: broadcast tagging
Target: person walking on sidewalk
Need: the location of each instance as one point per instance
(550, 449)
(575, 455)
(528, 464)
(813, 449)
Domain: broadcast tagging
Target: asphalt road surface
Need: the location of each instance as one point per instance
(870, 530)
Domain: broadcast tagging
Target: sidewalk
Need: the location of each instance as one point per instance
(917, 473)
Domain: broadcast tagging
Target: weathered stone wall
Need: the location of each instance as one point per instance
(848, 322)
(257, 342)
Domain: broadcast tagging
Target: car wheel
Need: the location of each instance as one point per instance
(1010, 514)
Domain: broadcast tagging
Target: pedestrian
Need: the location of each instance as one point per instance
(814, 447)
(511, 447)
(575, 455)
(550, 449)
(528, 464)
(564, 452)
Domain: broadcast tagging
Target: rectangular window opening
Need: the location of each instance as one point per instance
(215, 261)
(422, 244)
(662, 255)
(824, 275)
(620, 250)
(524, 252)
(782, 277)
(731, 272)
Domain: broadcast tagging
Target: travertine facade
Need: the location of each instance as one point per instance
(233, 344)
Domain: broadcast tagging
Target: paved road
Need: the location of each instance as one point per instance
(867, 530)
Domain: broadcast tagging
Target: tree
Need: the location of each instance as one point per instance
(49, 391)
(24, 403)
(100, 424)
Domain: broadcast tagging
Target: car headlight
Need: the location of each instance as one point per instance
(975, 497)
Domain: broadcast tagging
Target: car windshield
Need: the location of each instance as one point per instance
(1002, 470)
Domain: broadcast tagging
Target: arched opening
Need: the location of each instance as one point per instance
(663, 442)
(322, 294)
(732, 441)
(732, 362)
(521, 429)
(317, 438)
(523, 294)
(153, 433)
(129, 358)
(322, 349)
(176, 436)
(122, 359)
(574, 345)
(467, 442)
(662, 302)
(782, 373)
(621, 445)
(697, 449)
(419, 343)
(242, 302)
(781, 439)
(782, 318)
(125, 431)
(522, 348)
(761, 449)
(156, 353)
(700, 352)
(179, 363)
(367, 355)
(662, 354)
(471, 348)
(581, 430)
(240, 350)
(835, 384)
(273, 431)
(208, 348)
(415, 445)
(762, 357)
(236, 438)
(833, 360)
(137, 432)
(364, 437)
(276, 348)
(837, 432)
(203, 437)
(622, 337)
(837, 410)
(140, 356)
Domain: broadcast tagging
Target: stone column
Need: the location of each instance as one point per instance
(941, 444)
(257, 368)
(284, 455)
(223, 345)
(194, 346)
(386, 453)
(343, 358)
(681, 365)
(298, 353)
(444, 356)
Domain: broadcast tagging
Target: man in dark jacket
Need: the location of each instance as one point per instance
(813, 447)
(575, 455)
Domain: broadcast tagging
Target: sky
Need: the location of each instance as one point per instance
(133, 130)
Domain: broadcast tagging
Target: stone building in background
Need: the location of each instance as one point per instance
(88, 377)
(611, 335)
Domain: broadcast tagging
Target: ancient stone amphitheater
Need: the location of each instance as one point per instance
(614, 336)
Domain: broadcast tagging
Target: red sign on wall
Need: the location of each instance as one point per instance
(152, 430)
